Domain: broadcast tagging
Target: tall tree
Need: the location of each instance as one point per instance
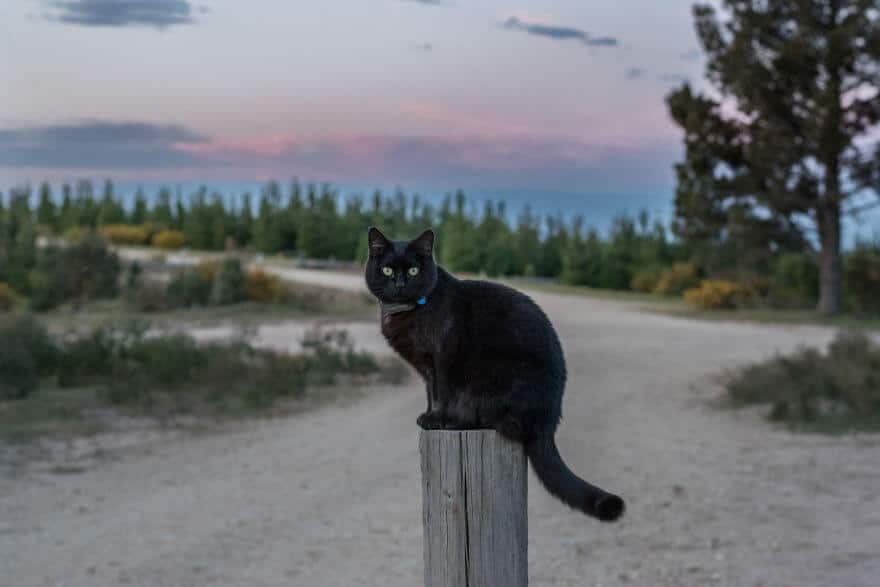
(162, 214)
(140, 211)
(69, 217)
(47, 212)
(781, 147)
(110, 210)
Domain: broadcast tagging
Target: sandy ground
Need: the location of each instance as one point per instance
(332, 497)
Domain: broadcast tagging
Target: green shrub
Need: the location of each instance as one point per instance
(26, 354)
(189, 287)
(91, 269)
(84, 270)
(8, 298)
(47, 281)
(795, 281)
(74, 234)
(152, 296)
(169, 359)
(645, 281)
(332, 351)
(169, 240)
(230, 284)
(678, 278)
(861, 278)
(841, 385)
(18, 372)
(96, 355)
(172, 373)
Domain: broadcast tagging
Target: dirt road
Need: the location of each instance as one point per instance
(332, 498)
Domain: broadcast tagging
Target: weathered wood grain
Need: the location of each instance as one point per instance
(474, 488)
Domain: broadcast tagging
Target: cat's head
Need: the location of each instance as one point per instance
(400, 271)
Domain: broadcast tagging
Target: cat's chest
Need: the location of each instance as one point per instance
(411, 334)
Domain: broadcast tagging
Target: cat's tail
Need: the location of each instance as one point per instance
(568, 487)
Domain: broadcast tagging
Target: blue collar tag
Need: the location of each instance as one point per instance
(422, 301)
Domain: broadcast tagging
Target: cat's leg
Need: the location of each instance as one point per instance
(431, 419)
(464, 411)
(441, 394)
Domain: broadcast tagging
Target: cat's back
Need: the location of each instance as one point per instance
(506, 315)
(497, 300)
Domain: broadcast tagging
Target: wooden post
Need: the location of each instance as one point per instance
(474, 509)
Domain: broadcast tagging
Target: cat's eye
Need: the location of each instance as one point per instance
(387, 271)
(413, 271)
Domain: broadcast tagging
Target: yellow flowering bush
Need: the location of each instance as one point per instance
(717, 294)
(169, 240)
(263, 287)
(678, 278)
(125, 234)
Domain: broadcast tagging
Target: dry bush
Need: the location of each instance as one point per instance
(263, 287)
(678, 278)
(841, 385)
(718, 294)
(169, 240)
(8, 298)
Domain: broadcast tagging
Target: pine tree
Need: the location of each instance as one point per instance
(219, 223)
(162, 215)
(527, 242)
(461, 243)
(784, 143)
(47, 211)
(85, 205)
(110, 211)
(21, 240)
(178, 218)
(290, 218)
(497, 248)
(582, 259)
(555, 240)
(69, 217)
(244, 222)
(140, 213)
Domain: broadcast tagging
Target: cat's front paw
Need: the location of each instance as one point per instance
(430, 421)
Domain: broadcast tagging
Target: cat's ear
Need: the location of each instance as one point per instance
(424, 243)
(377, 241)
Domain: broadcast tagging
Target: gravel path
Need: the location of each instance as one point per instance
(332, 498)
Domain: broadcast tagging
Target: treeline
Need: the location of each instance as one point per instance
(316, 222)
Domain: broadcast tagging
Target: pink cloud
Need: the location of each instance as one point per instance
(488, 155)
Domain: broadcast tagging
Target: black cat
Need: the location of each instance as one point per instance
(488, 354)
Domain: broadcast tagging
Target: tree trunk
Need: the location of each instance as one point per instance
(829, 260)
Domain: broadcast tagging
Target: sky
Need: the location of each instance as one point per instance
(556, 95)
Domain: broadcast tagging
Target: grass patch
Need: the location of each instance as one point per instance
(172, 374)
(313, 301)
(128, 368)
(771, 316)
(832, 391)
(51, 411)
(550, 286)
(676, 307)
